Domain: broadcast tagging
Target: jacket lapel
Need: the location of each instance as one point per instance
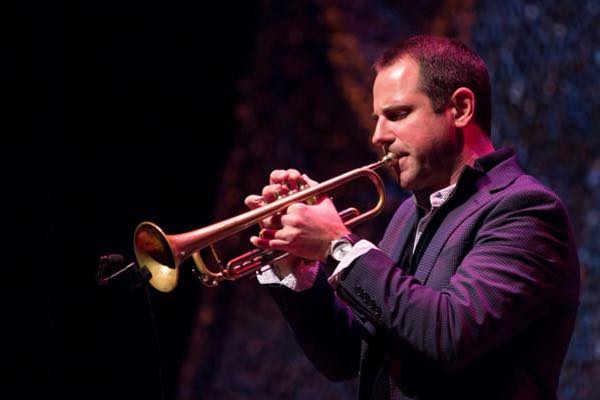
(398, 232)
(450, 224)
(484, 185)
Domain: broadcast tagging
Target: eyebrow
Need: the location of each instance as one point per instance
(397, 107)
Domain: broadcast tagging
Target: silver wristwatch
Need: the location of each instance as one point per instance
(339, 248)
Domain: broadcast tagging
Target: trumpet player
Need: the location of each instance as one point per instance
(473, 290)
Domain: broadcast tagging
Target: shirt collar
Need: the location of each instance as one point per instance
(481, 166)
(436, 199)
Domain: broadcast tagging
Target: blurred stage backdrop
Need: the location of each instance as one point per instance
(175, 111)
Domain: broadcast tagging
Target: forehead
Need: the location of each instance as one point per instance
(396, 81)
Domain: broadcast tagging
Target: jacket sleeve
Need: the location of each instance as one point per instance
(324, 326)
(522, 263)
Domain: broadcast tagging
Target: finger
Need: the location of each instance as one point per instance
(258, 242)
(274, 244)
(254, 201)
(318, 198)
(291, 220)
(278, 176)
(267, 234)
(286, 234)
(272, 222)
(294, 179)
(296, 208)
(274, 192)
(324, 197)
(309, 181)
(277, 244)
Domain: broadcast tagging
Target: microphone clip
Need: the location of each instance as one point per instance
(112, 268)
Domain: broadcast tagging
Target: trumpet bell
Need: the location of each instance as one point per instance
(154, 251)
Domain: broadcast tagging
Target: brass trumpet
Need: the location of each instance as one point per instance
(162, 254)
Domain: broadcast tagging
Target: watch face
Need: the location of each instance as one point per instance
(340, 250)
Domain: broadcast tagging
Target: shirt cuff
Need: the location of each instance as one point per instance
(361, 247)
(301, 278)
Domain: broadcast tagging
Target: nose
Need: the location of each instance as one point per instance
(382, 136)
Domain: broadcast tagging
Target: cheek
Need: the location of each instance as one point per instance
(436, 140)
(422, 135)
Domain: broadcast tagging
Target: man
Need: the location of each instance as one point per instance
(473, 290)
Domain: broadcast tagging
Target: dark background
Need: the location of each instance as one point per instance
(120, 112)
(128, 110)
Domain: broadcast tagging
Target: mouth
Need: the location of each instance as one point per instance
(396, 157)
(400, 155)
(397, 154)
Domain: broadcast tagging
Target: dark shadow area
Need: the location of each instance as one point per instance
(126, 115)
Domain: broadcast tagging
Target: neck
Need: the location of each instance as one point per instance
(476, 144)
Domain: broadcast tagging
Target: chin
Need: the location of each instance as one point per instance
(406, 181)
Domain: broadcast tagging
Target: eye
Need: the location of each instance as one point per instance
(397, 114)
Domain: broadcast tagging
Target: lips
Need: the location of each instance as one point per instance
(400, 155)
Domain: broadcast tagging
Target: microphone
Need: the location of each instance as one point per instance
(112, 268)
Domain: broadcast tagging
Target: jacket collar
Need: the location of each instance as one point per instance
(494, 171)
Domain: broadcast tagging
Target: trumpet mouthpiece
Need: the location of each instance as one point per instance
(389, 158)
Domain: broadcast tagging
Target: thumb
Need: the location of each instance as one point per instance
(253, 201)
(309, 181)
(318, 198)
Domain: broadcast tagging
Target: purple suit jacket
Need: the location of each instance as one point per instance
(488, 313)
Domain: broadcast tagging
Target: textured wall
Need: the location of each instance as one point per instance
(305, 103)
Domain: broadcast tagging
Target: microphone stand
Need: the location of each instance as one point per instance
(111, 270)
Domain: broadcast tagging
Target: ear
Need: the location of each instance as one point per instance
(462, 106)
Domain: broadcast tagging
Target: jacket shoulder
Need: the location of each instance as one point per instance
(526, 190)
